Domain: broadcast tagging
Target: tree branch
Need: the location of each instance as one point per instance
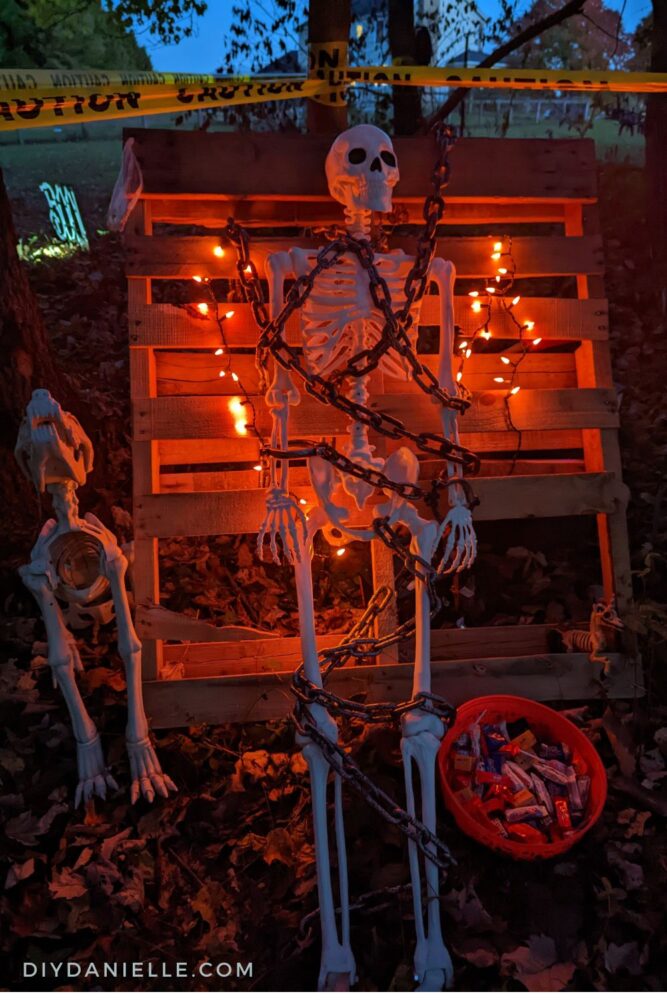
(569, 10)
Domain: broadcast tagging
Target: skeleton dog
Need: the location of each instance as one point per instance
(77, 561)
(342, 326)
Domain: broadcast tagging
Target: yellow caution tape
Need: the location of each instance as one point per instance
(38, 98)
(324, 58)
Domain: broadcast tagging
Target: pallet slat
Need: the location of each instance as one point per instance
(168, 326)
(190, 165)
(535, 256)
(513, 497)
(254, 698)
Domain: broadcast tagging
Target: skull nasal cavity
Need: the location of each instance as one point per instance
(376, 165)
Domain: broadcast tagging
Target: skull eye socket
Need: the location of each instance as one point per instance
(388, 158)
(357, 155)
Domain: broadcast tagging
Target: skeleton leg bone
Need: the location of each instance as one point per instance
(422, 733)
(337, 968)
(146, 772)
(94, 778)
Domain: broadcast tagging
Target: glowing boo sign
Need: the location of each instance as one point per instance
(64, 214)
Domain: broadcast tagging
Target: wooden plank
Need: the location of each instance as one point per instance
(249, 212)
(535, 256)
(189, 373)
(204, 451)
(207, 651)
(515, 497)
(249, 479)
(253, 698)
(532, 409)
(291, 166)
(170, 326)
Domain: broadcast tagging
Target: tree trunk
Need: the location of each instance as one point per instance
(402, 43)
(328, 21)
(26, 363)
(656, 153)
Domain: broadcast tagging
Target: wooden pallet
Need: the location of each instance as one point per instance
(195, 672)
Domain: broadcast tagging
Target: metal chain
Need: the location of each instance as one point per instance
(374, 477)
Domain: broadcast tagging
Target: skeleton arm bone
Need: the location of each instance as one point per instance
(461, 544)
(284, 519)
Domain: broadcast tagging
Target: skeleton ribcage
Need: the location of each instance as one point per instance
(578, 638)
(339, 318)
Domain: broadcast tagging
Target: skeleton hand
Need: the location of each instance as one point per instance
(94, 778)
(147, 775)
(461, 544)
(286, 521)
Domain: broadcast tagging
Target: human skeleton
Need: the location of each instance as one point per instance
(338, 321)
(77, 561)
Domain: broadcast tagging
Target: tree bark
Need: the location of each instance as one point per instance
(402, 44)
(656, 154)
(328, 21)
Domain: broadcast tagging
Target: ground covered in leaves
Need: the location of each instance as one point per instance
(224, 871)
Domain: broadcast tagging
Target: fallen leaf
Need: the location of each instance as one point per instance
(67, 884)
(19, 871)
(26, 828)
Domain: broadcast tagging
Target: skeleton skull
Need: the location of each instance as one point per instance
(361, 169)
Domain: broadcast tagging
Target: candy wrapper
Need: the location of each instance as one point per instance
(518, 784)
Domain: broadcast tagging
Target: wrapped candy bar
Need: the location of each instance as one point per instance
(584, 785)
(541, 793)
(563, 817)
(527, 834)
(523, 813)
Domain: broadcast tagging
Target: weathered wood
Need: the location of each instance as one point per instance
(252, 698)
(203, 451)
(189, 373)
(535, 256)
(511, 498)
(213, 417)
(190, 165)
(249, 212)
(169, 326)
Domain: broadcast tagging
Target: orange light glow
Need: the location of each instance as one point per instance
(476, 306)
(257, 468)
(218, 251)
(473, 295)
(203, 308)
(486, 334)
(198, 278)
(514, 391)
(229, 314)
(499, 378)
(504, 360)
(538, 340)
(341, 551)
(218, 351)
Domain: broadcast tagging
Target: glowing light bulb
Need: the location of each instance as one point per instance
(236, 406)
(463, 344)
(235, 376)
(476, 306)
(302, 501)
(486, 334)
(497, 246)
(504, 360)
(516, 300)
(514, 391)
(257, 468)
(241, 427)
(218, 351)
(222, 373)
(529, 325)
(341, 551)
(218, 251)
(538, 340)
(229, 314)
(468, 352)
(502, 270)
(473, 295)
(459, 376)
(490, 289)
(247, 269)
(198, 278)
(495, 256)
(499, 378)
(203, 308)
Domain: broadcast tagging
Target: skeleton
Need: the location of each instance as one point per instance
(79, 562)
(339, 320)
(604, 622)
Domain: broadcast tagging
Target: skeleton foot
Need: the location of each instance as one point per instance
(147, 775)
(94, 777)
(422, 733)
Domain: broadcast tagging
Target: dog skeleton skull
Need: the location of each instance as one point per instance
(338, 320)
(78, 560)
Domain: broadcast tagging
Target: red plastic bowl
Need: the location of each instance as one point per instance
(548, 726)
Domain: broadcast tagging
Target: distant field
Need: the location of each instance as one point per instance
(91, 166)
